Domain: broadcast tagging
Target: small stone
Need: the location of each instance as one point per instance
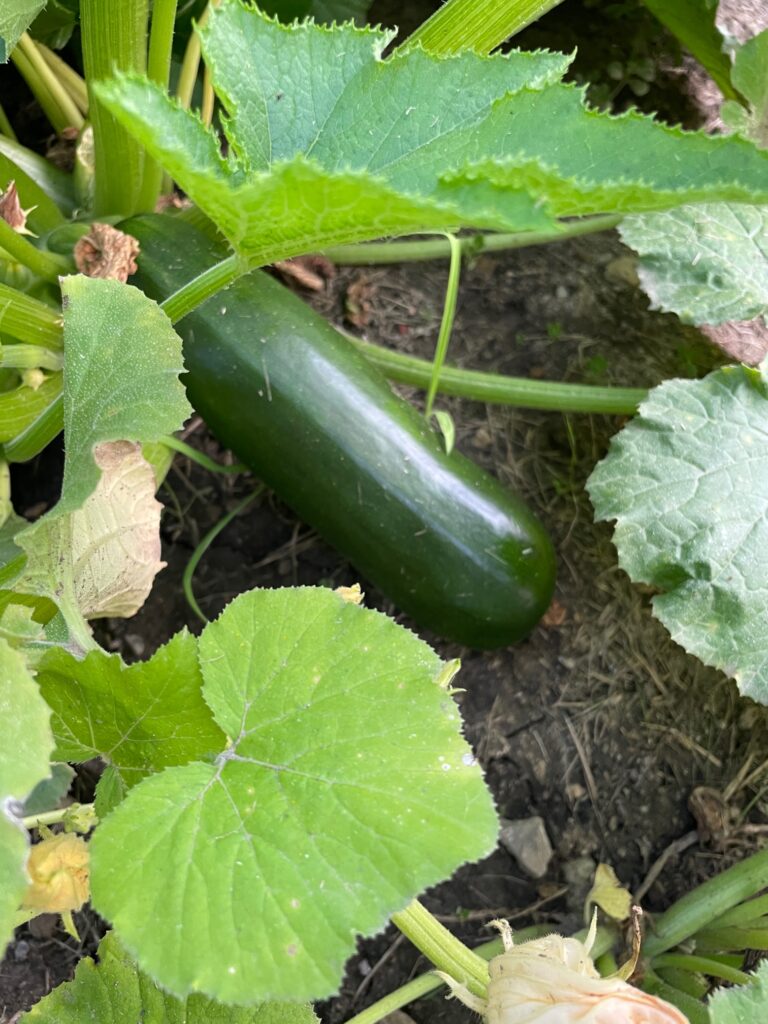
(20, 950)
(579, 874)
(527, 841)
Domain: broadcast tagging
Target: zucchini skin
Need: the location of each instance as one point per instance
(285, 391)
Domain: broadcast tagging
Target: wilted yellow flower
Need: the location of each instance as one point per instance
(552, 980)
(58, 869)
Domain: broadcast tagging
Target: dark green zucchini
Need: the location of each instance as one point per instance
(294, 400)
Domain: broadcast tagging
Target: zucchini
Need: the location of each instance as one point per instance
(296, 402)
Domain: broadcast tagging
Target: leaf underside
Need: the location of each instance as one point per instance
(687, 483)
(707, 263)
(330, 143)
(345, 789)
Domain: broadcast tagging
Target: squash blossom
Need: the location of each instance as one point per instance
(552, 980)
(58, 869)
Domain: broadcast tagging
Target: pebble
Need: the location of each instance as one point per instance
(527, 841)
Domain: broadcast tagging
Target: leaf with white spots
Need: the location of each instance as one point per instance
(346, 788)
(687, 483)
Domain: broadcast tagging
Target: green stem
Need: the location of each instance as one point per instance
(442, 948)
(428, 982)
(53, 97)
(38, 435)
(29, 357)
(202, 287)
(158, 70)
(114, 38)
(373, 253)
(28, 319)
(446, 324)
(47, 818)
(202, 547)
(70, 81)
(694, 1009)
(707, 902)
(6, 128)
(716, 940)
(479, 25)
(190, 67)
(744, 913)
(502, 390)
(200, 457)
(47, 265)
(702, 965)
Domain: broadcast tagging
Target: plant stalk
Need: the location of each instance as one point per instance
(479, 25)
(56, 104)
(114, 38)
(702, 965)
(28, 319)
(442, 948)
(158, 70)
(6, 128)
(428, 982)
(706, 903)
(499, 389)
(48, 265)
(374, 253)
(446, 323)
(69, 79)
(202, 287)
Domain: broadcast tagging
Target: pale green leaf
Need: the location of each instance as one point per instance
(743, 1004)
(26, 744)
(707, 263)
(97, 551)
(346, 790)
(139, 718)
(687, 482)
(116, 992)
(329, 142)
(15, 18)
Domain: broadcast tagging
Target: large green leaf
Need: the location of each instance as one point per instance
(744, 1004)
(707, 263)
(26, 744)
(140, 718)
(115, 991)
(330, 143)
(345, 790)
(97, 550)
(687, 482)
(15, 18)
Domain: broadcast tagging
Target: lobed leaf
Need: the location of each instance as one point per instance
(115, 991)
(26, 744)
(687, 483)
(344, 790)
(742, 1004)
(707, 263)
(329, 142)
(139, 718)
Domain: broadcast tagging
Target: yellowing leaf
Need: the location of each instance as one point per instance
(608, 893)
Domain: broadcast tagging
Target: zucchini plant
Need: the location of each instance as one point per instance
(296, 775)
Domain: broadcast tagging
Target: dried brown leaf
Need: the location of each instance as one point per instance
(106, 252)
